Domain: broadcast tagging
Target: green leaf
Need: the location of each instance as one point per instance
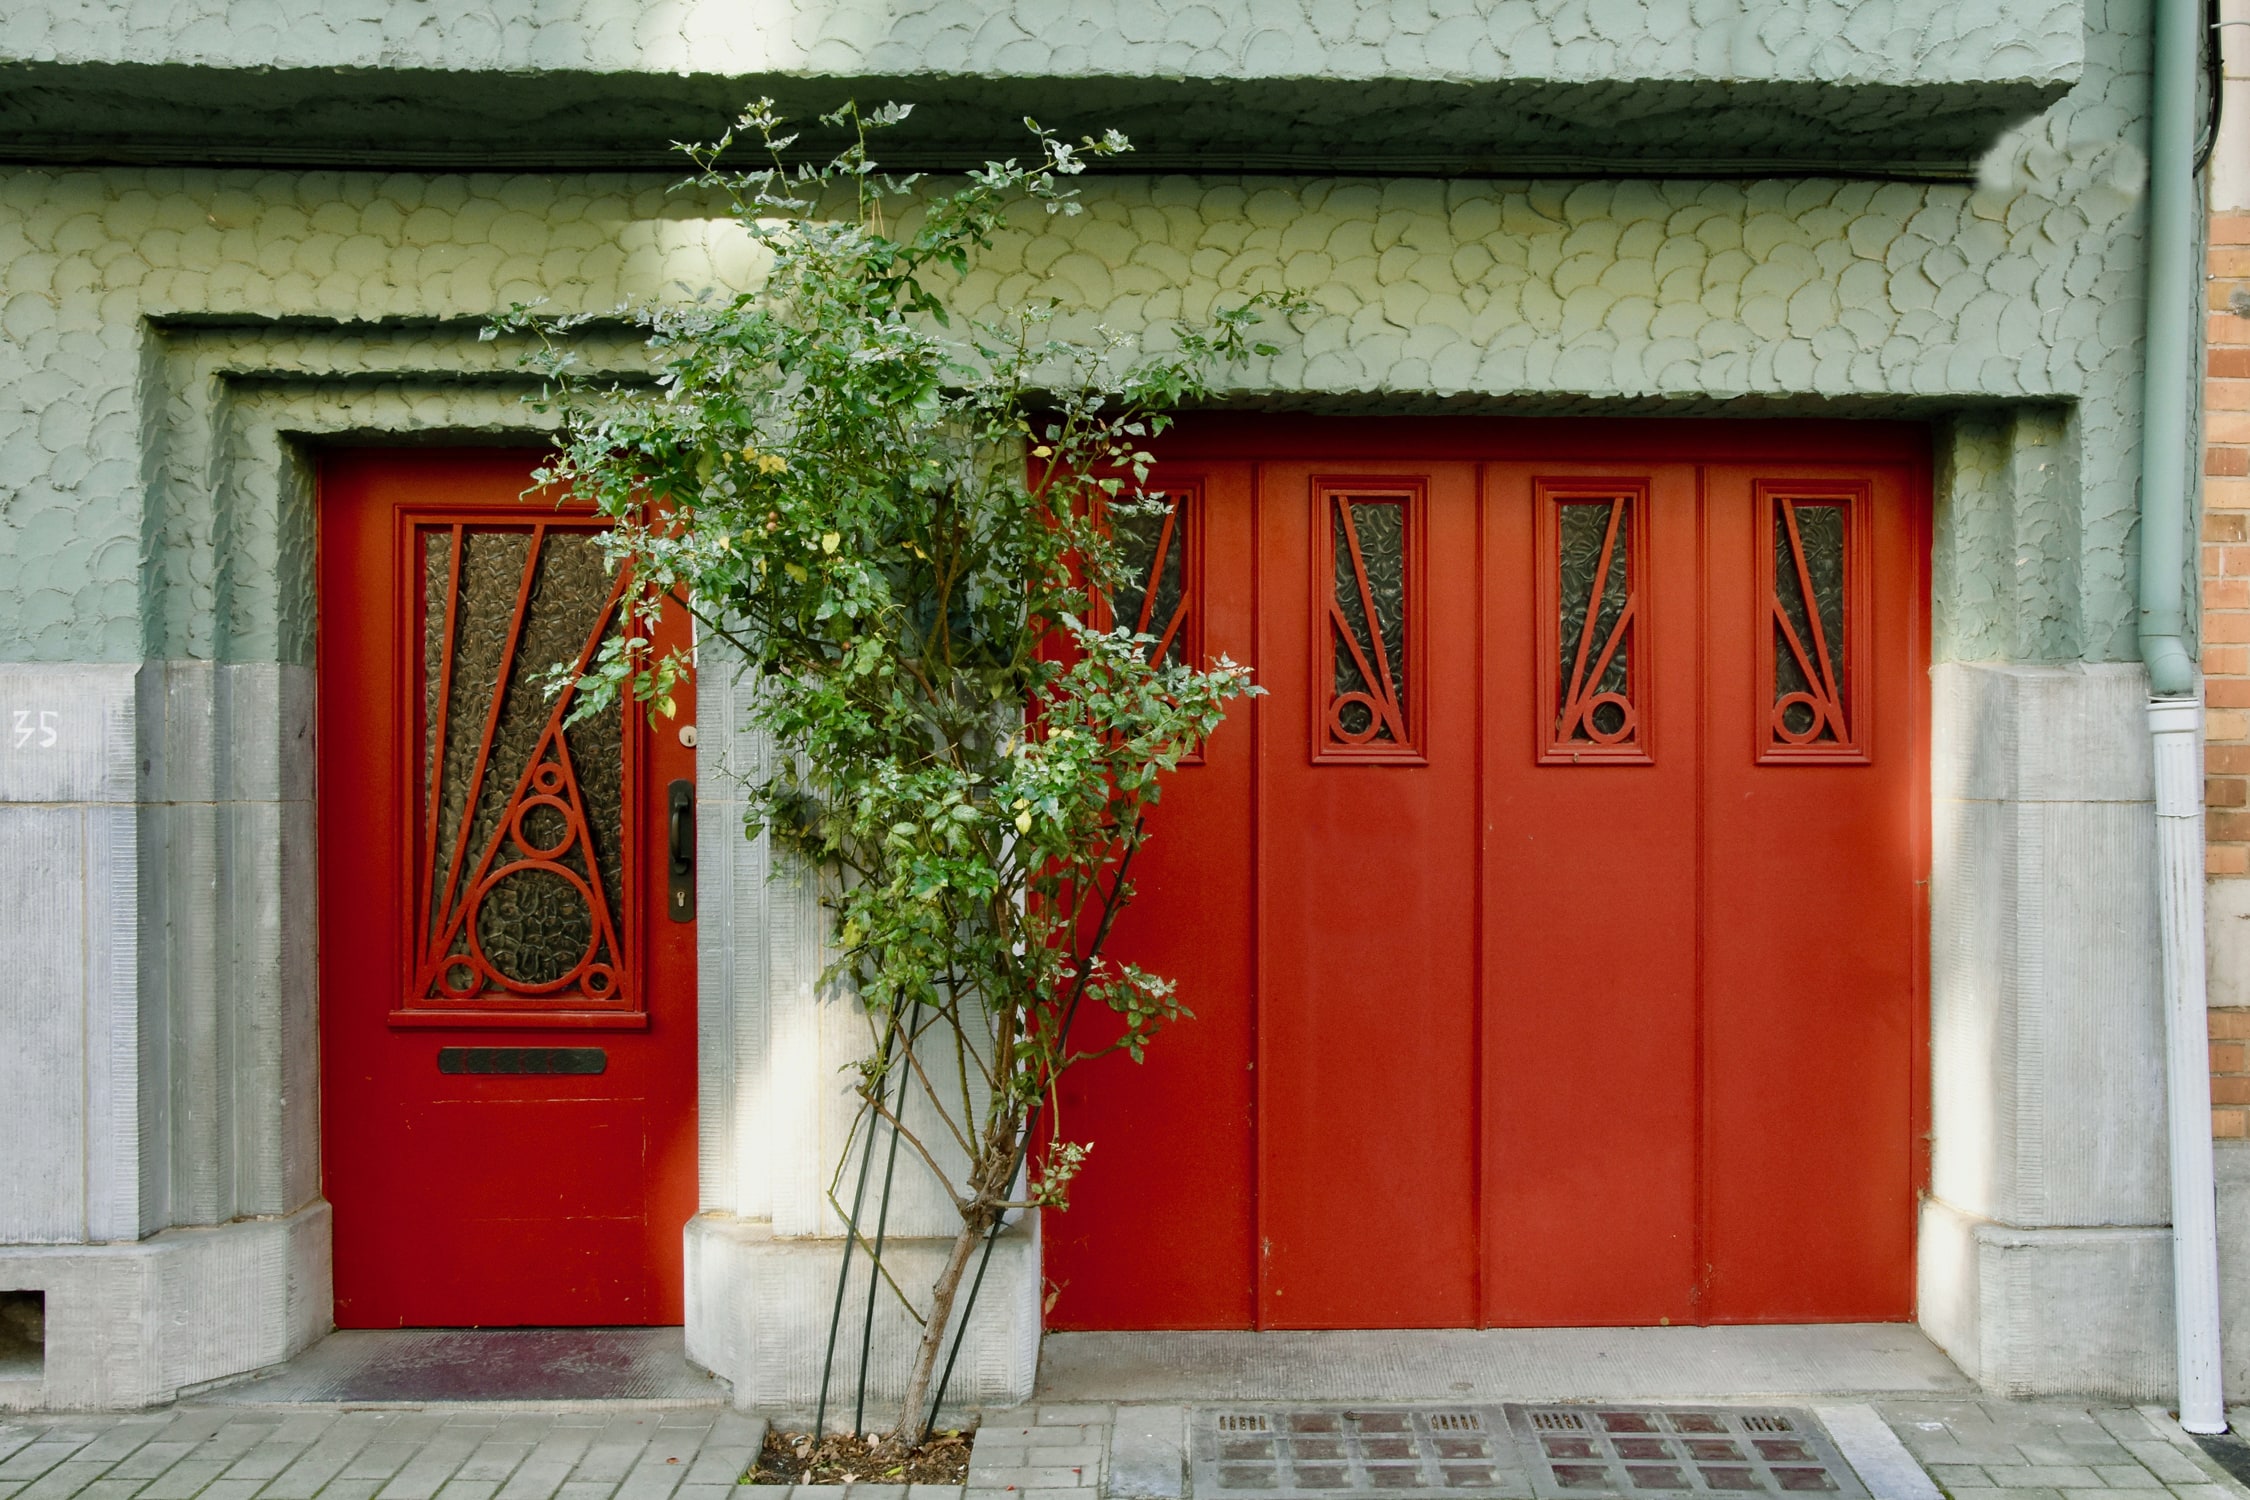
(933, 685)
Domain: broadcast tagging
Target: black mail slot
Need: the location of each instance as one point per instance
(521, 1059)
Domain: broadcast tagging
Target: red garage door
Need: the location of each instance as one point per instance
(1554, 924)
(507, 956)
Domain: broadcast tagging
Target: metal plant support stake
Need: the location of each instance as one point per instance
(909, 528)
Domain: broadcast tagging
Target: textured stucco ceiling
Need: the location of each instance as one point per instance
(1447, 87)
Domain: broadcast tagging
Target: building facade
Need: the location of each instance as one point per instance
(1718, 278)
(2226, 464)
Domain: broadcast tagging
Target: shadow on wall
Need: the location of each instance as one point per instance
(23, 1335)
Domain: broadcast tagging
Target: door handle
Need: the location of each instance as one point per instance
(679, 843)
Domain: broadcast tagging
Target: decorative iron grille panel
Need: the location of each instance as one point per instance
(521, 885)
(1369, 552)
(1155, 595)
(1599, 607)
(1810, 650)
(1364, 599)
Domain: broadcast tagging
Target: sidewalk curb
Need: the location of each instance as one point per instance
(1875, 1452)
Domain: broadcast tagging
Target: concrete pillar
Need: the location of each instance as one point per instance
(776, 1120)
(155, 868)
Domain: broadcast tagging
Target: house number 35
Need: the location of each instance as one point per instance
(35, 728)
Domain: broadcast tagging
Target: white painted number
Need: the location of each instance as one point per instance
(35, 728)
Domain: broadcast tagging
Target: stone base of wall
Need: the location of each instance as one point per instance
(2044, 1262)
(758, 1309)
(137, 1324)
(2232, 1159)
(2049, 1312)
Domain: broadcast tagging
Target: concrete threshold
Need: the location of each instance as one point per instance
(1794, 1361)
(529, 1368)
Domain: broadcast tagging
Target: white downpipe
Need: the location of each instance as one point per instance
(2175, 728)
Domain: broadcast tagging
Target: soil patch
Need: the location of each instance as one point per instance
(793, 1458)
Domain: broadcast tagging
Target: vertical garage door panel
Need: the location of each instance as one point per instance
(1589, 952)
(1505, 1030)
(1809, 948)
(1159, 1233)
(1367, 1006)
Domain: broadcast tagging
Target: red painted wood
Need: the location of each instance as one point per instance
(1175, 1130)
(1590, 944)
(1367, 1107)
(1810, 945)
(1562, 1043)
(466, 1200)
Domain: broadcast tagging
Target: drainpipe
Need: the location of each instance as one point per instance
(2175, 709)
(2175, 725)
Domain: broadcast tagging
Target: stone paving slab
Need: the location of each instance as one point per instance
(331, 1453)
(2023, 1450)
(1971, 1448)
(1045, 1452)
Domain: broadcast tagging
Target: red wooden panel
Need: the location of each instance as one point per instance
(1590, 932)
(1159, 1233)
(1542, 1033)
(1367, 960)
(575, 1226)
(1814, 929)
(477, 1199)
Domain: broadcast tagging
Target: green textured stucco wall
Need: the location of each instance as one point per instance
(2011, 309)
(1898, 41)
(1220, 85)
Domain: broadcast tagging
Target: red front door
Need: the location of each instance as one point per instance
(507, 998)
(1552, 925)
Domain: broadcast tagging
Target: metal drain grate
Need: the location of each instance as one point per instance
(1516, 1453)
(1678, 1451)
(1357, 1451)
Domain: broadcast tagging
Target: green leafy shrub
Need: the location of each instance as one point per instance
(907, 528)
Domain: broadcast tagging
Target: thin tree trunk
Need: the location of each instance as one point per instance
(916, 1406)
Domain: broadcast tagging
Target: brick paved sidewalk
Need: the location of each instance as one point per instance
(1972, 1449)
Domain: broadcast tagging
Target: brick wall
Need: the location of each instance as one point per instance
(2230, 1072)
(2226, 633)
(2226, 550)
(2226, 592)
